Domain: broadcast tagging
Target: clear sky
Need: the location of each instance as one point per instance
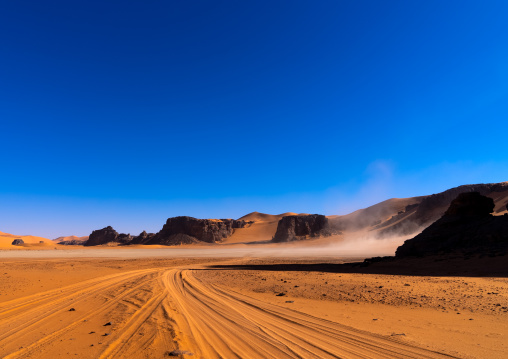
(125, 113)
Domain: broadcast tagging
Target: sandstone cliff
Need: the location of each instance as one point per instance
(184, 230)
(292, 228)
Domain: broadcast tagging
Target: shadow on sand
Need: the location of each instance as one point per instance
(438, 266)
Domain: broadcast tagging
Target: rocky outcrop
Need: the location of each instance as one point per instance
(107, 235)
(432, 207)
(18, 242)
(143, 237)
(183, 230)
(405, 216)
(291, 228)
(435, 205)
(467, 227)
(71, 240)
(177, 230)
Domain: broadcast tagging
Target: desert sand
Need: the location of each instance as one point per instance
(30, 241)
(233, 306)
(251, 298)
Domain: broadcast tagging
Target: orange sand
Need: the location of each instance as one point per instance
(156, 305)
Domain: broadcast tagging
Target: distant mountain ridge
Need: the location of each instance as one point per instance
(408, 215)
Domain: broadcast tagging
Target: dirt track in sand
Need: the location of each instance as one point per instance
(157, 310)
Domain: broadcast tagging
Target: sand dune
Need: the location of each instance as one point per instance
(30, 241)
(262, 230)
(263, 217)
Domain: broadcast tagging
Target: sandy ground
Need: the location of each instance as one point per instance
(240, 307)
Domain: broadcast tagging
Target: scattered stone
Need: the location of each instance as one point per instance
(176, 353)
(18, 242)
(108, 323)
(281, 294)
(290, 301)
(105, 334)
(91, 333)
(72, 310)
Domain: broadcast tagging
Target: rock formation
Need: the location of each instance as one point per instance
(71, 240)
(292, 228)
(404, 216)
(107, 235)
(142, 238)
(18, 242)
(432, 207)
(466, 227)
(177, 230)
(184, 230)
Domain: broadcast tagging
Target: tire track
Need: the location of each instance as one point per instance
(44, 313)
(217, 322)
(178, 309)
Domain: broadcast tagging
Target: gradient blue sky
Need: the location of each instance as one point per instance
(125, 113)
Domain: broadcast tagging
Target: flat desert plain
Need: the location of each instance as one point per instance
(155, 303)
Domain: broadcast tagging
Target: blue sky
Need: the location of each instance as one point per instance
(125, 113)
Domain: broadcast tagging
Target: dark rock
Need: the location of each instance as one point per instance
(41, 242)
(467, 227)
(72, 242)
(176, 353)
(18, 242)
(72, 310)
(124, 238)
(142, 238)
(292, 228)
(180, 230)
(471, 204)
(107, 235)
(433, 207)
(108, 323)
(102, 236)
(240, 223)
